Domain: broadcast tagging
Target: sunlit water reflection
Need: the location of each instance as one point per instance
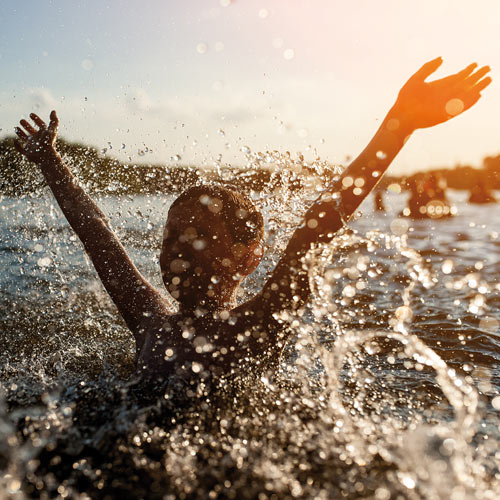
(389, 390)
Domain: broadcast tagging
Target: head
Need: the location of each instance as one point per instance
(212, 240)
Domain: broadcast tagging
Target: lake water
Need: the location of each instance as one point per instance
(390, 388)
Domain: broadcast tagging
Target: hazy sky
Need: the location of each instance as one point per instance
(162, 79)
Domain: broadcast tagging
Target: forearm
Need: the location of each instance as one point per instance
(80, 210)
(126, 286)
(340, 200)
(330, 212)
(362, 175)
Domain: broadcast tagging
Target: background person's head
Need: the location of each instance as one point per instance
(212, 240)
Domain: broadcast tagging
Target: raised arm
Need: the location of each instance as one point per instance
(132, 294)
(420, 104)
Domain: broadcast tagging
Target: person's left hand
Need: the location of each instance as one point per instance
(422, 104)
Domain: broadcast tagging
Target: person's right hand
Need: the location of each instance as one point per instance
(37, 145)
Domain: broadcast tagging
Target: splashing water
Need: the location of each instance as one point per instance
(386, 390)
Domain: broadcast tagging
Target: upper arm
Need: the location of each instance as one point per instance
(133, 295)
(288, 287)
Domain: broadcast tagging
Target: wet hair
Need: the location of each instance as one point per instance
(242, 219)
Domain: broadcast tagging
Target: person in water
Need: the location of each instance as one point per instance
(481, 194)
(213, 239)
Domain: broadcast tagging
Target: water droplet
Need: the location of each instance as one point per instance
(13, 485)
(393, 124)
(201, 48)
(347, 181)
(404, 313)
(199, 244)
(263, 13)
(399, 226)
(406, 480)
(447, 266)
(312, 223)
(288, 54)
(169, 354)
(196, 367)
(454, 106)
(495, 402)
(87, 64)
(394, 188)
(44, 262)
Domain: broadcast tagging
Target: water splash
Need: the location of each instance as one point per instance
(362, 407)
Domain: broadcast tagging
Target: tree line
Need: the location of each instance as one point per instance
(104, 175)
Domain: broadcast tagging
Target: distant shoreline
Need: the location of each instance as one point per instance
(104, 175)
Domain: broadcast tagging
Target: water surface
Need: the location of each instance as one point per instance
(389, 388)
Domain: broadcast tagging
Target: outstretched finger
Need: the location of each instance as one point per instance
(480, 86)
(28, 127)
(460, 76)
(427, 69)
(38, 120)
(473, 79)
(466, 71)
(21, 133)
(54, 122)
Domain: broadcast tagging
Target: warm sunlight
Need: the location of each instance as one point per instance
(206, 78)
(250, 250)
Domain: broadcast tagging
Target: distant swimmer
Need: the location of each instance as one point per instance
(480, 194)
(213, 239)
(428, 198)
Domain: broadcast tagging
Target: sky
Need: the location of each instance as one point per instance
(203, 81)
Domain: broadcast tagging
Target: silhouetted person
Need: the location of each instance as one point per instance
(213, 239)
(480, 194)
(418, 199)
(428, 198)
(435, 187)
